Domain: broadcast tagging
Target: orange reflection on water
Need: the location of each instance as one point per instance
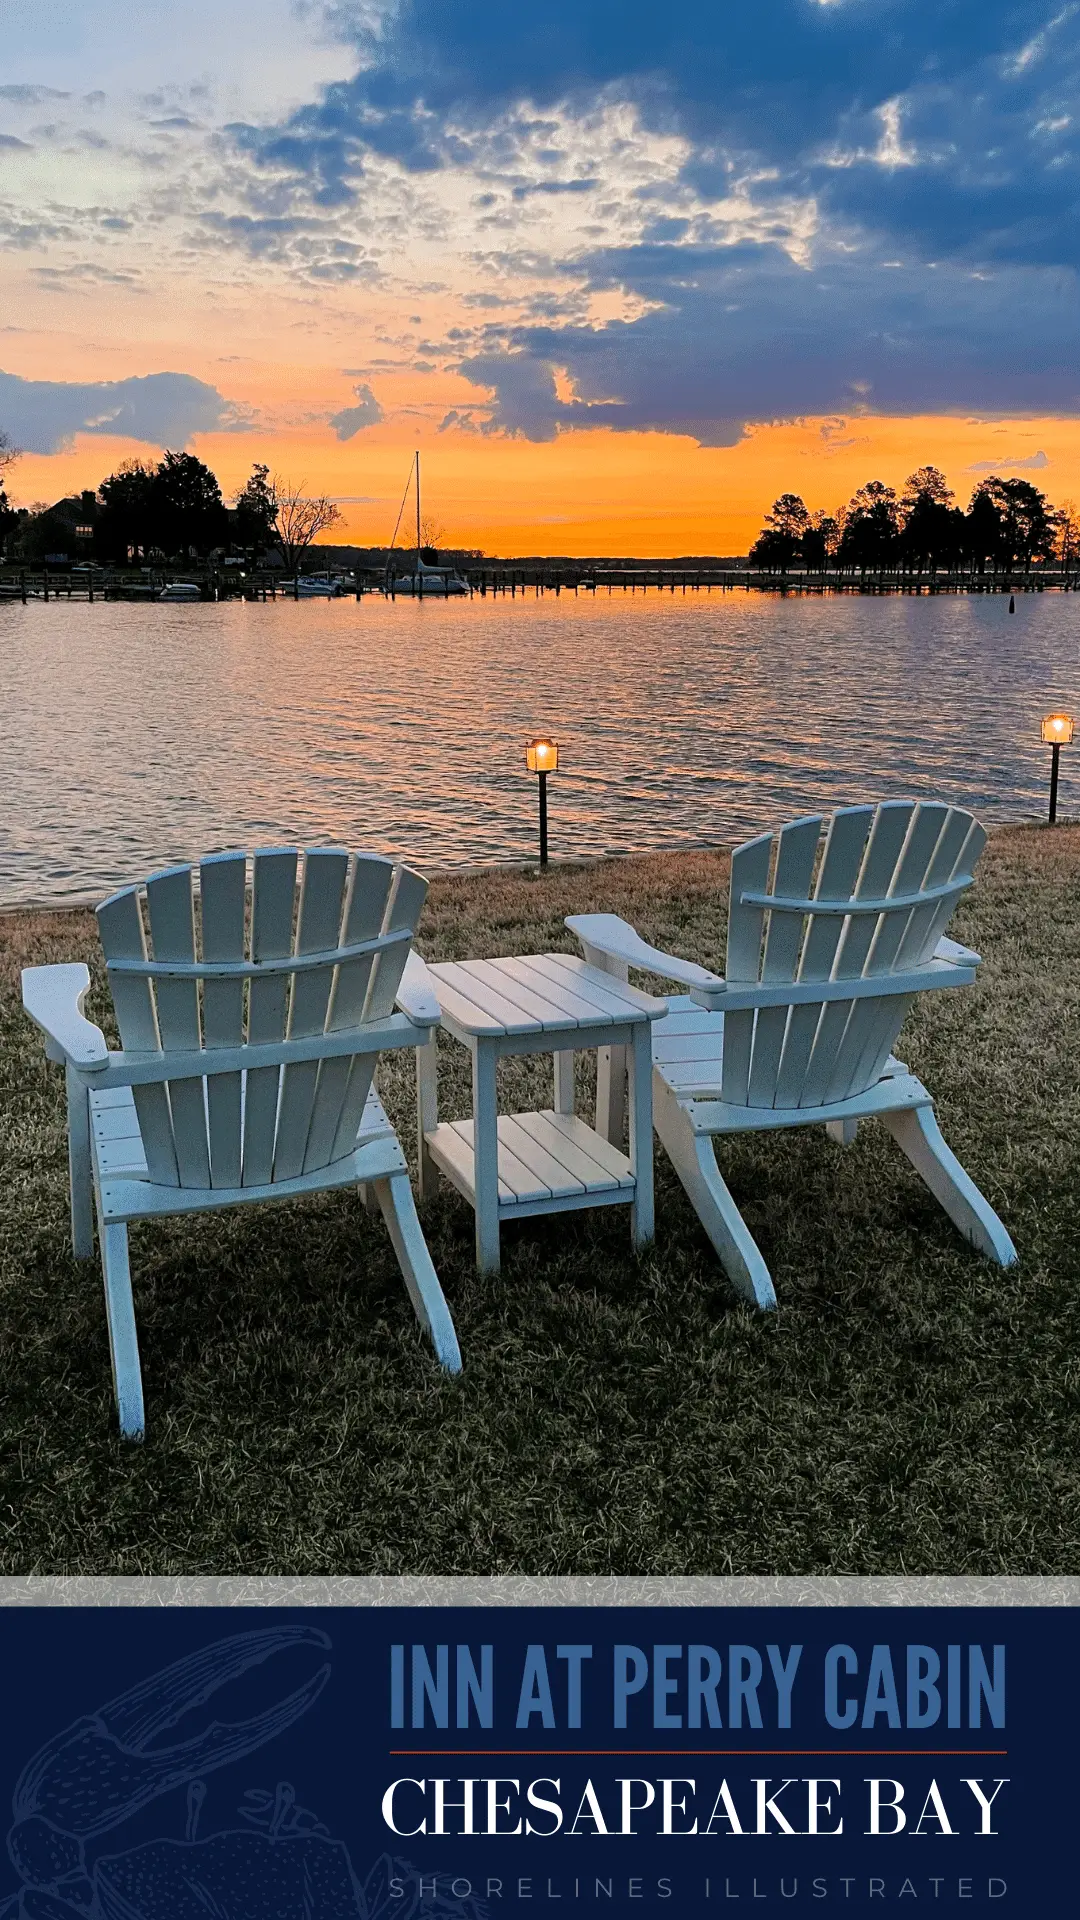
(138, 735)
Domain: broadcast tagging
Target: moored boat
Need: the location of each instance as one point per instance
(316, 586)
(425, 577)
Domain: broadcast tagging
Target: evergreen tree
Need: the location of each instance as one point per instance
(779, 541)
(255, 512)
(126, 527)
(188, 510)
(871, 527)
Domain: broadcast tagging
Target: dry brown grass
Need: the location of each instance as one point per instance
(909, 1408)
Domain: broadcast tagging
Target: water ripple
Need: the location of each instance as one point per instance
(139, 735)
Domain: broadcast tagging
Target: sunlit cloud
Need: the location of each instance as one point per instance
(352, 420)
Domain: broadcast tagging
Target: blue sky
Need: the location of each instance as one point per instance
(529, 221)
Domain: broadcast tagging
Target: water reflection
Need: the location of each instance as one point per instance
(138, 735)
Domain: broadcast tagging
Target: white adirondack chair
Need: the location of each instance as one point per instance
(835, 925)
(251, 1031)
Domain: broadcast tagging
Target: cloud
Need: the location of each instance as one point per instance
(22, 96)
(916, 114)
(739, 335)
(897, 150)
(554, 186)
(708, 216)
(351, 420)
(162, 409)
(8, 140)
(83, 272)
(1033, 464)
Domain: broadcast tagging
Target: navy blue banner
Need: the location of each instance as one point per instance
(462, 1764)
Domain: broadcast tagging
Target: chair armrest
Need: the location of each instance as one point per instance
(952, 951)
(606, 933)
(53, 998)
(416, 995)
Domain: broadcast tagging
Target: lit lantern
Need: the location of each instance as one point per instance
(1057, 732)
(542, 758)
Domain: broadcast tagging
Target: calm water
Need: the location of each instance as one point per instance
(134, 736)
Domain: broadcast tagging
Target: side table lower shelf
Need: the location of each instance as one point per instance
(548, 1163)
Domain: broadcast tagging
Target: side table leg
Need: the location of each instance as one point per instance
(564, 1082)
(427, 1113)
(486, 1156)
(611, 1094)
(639, 1057)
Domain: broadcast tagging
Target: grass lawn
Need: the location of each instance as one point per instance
(910, 1408)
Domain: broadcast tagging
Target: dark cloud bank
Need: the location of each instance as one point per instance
(943, 135)
(163, 409)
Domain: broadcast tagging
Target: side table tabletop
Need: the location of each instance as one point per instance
(512, 1166)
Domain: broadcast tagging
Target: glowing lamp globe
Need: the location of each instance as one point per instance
(1058, 729)
(542, 756)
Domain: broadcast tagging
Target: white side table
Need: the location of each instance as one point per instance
(512, 1166)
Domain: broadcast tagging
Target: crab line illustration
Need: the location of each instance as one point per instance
(282, 1864)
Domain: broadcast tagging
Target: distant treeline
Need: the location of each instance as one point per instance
(1007, 523)
(171, 511)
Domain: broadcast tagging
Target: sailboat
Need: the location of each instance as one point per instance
(423, 577)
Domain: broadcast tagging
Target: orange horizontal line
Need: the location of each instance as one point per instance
(698, 1753)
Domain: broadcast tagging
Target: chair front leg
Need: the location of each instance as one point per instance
(79, 1170)
(693, 1157)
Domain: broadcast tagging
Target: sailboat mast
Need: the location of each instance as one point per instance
(418, 509)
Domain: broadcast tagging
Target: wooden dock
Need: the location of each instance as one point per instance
(512, 580)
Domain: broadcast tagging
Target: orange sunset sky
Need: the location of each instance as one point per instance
(616, 313)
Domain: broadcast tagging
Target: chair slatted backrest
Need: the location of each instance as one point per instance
(865, 892)
(198, 961)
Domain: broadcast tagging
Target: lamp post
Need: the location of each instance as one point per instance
(1057, 732)
(542, 758)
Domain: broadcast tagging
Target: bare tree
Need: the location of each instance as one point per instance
(431, 532)
(1067, 525)
(300, 519)
(8, 454)
(8, 517)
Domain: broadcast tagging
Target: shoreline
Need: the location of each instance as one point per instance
(88, 902)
